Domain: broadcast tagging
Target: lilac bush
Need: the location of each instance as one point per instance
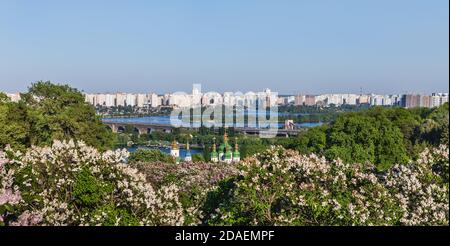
(195, 181)
(70, 183)
(10, 197)
(281, 187)
(421, 188)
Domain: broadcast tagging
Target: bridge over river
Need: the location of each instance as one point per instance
(145, 128)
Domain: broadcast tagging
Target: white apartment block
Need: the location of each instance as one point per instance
(363, 99)
(212, 99)
(229, 99)
(285, 100)
(130, 100)
(265, 98)
(196, 99)
(270, 98)
(347, 99)
(155, 100)
(350, 99)
(377, 100)
(110, 100)
(100, 99)
(90, 98)
(281, 101)
(141, 100)
(121, 99)
(180, 100)
(299, 99)
(444, 97)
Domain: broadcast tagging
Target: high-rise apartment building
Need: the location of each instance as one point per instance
(299, 99)
(411, 101)
(310, 100)
(121, 99)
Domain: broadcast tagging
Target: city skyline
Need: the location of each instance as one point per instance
(359, 90)
(198, 97)
(312, 46)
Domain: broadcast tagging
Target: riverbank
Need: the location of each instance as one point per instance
(167, 120)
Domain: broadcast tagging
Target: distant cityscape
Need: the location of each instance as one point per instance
(197, 98)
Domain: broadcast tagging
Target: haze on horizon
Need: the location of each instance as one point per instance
(289, 46)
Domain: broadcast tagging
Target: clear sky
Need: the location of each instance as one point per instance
(311, 46)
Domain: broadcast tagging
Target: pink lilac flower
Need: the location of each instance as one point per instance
(28, 219)
(8, 196)
(3, 160)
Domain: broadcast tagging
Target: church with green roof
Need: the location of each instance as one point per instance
(225, 153)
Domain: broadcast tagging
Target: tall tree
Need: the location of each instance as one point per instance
(51, 111)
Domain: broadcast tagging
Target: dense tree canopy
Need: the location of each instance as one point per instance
(48, 112)
(383, 136)
(14, 124)
(251, 146)
(361, 137)
(381, 166)
(149, 155)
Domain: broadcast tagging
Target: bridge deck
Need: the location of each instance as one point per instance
(167, 127)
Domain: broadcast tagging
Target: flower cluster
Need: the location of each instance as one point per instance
(421, 188)
(70, 183)
(195, 180)
(10, 197)
(281, 187)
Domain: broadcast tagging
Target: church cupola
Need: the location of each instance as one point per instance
(175, 151)
(236, 154)
(188, 157)
(214, 155)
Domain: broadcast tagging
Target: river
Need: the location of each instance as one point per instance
(166, 120)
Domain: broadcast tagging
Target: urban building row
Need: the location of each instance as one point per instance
(406, 100)
(268, 98)
(124, 99)
(182, 100)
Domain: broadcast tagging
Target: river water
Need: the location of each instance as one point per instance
(166, 120)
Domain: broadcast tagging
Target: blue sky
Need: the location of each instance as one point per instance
(383, 46)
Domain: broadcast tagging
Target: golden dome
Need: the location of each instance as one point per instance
(225, 136)
(214, 145)
(174, 144)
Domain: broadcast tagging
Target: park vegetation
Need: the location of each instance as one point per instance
(70, 183)
(381, 166)
(379, 135)
(47, 112)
